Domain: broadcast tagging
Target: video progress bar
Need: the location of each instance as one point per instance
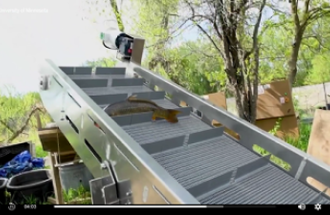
(246, 206)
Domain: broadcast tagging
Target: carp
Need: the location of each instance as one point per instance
(135, 105)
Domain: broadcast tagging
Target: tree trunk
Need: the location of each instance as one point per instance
(294, 56)
(300, 25)
(246, 106)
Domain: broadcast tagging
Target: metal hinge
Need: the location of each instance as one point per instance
(106, 190)
(44, 82)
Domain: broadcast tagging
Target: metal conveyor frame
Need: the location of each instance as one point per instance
(121, 165)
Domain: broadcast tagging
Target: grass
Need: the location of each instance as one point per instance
(72, 196)
(77, 196)
(40, 153)
(27, 200)
(304, 134)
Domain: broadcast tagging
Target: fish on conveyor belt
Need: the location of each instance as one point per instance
(134, 105)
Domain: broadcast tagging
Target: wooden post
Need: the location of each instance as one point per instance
(59, 151)
(56, 180)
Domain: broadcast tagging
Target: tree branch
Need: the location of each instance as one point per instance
(172, 14)
(273, 7)
(315, 38)
(25, 124)
(202, 29)
(305, 14)
(317, 14)
(294, 11)
(256, 27)
(306, 8)
(271, 25)
(170, 36)
(6, 126)
(215, 25)
(210, 38)
(314, 13)
(255, 50)
(201, 52)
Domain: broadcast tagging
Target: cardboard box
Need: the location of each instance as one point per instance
(319, 144)
(288, 126)
(274, 102)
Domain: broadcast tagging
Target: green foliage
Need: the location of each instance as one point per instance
(77, 196)
(304, 134)
(276, 127)
(40, 153)
(153, 21)
(118, 16)
(102, 62)
(15, 110)
(295, 102)
(96, 10)
(277, 39)
(302, 113)
(321, 69)
(72, 196)
(196, 71)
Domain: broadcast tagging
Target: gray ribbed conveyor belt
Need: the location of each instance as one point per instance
(210, 165)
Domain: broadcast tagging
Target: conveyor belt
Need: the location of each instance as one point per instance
(213, 167)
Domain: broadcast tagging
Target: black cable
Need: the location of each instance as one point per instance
(107, 46)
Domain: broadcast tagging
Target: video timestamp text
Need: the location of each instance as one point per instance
(30, 206)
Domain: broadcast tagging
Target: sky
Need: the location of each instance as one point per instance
(37, 29)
